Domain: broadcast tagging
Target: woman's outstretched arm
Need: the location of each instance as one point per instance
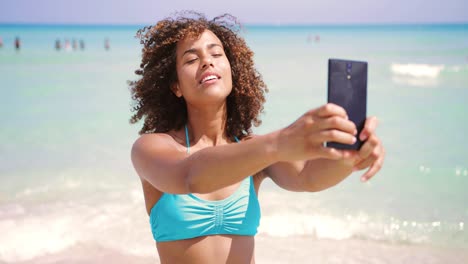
(156, 159)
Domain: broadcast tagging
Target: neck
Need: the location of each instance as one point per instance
(207, 124)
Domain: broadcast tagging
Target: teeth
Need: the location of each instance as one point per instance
(209, 77)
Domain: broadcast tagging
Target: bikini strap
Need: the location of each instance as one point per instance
(187, 140)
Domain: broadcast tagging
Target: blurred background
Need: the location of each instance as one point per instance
(68, 191)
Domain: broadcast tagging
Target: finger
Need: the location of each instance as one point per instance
(337, 122)
(369, 153)
(331, 110)
(330, 153)
(376, 166)
(364, 164)
(334, 135)
(350, 157)
(369, 147)
(371, 172)
(369, 128)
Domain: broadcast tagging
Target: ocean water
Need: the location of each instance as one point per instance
(67, 186)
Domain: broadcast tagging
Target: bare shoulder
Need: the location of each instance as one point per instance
(156, 148)
(155, 143)
(157, 159)
(154, 137)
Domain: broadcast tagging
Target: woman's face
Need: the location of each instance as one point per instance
(203, 70)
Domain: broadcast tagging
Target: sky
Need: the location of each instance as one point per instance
(247, 11)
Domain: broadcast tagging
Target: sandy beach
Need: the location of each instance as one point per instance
(298, 250)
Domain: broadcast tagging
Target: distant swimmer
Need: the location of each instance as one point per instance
(316, 38)
(82, 45)
(58, 45)
(17, 43)
(67, 46)
(1, 42)
(107, 44)
(75, 44)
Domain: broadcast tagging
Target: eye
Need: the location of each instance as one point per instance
(190, 61)
(216, 55)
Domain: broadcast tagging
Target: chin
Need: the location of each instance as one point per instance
(215, 90)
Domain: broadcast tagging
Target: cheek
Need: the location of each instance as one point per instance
(185, 75)
(228, 78)
(228, 72)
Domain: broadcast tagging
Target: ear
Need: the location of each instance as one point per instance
(176, 90)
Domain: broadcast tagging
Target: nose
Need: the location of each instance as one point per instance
(207, 61)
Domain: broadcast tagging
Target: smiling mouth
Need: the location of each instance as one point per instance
(209, 78)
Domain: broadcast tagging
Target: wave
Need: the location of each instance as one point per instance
(366, 227)
(428, 75)
(32, 230)
(417, 70)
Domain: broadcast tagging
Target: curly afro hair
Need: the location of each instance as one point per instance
(157, 105)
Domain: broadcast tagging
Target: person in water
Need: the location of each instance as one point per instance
(200, 165)
(17, 43)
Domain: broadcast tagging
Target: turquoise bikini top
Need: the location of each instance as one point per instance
(185, 216)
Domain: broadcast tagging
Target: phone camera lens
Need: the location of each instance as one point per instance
(348, 67)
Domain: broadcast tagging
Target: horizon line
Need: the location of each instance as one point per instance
(272, 24)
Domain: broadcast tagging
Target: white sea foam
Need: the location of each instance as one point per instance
(353, 226)
(114, 221)
(285, 225)
(417, 70)
(28, 237)
(421, 75)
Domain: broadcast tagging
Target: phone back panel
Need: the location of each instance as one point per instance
(347, 87)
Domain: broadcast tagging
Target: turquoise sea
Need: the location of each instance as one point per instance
(68, 189)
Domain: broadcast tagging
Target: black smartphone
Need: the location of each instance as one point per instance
(347, 87)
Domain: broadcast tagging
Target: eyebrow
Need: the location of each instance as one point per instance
(210, 46)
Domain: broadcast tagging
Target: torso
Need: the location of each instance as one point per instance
(205, 249)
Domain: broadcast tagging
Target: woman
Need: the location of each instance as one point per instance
(200, 166)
